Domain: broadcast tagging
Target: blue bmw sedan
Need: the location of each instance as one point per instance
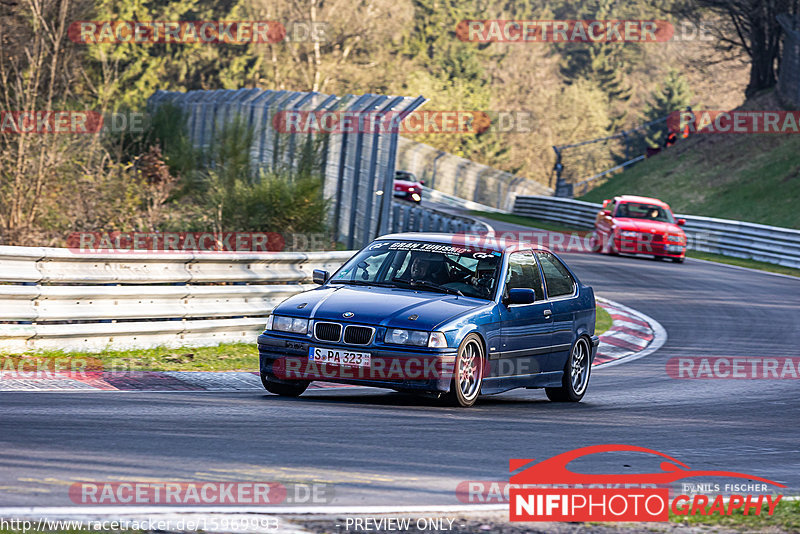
(449, 315)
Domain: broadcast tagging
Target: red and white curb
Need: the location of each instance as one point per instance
(161, 381)
(632, 335)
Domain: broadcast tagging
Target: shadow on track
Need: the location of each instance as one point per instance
(508, 400)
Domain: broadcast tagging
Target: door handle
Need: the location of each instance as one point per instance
(548, 313)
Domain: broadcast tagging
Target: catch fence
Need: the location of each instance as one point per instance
(358, 166)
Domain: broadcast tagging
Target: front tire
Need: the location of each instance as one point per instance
(595, 243)
(607, 247)
(677, 260)
(468, 373)
(284, 390)
(576, 374)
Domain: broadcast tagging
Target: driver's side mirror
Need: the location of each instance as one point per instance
(520, 295)
(681, 222)
(319, 276)
(422, 182)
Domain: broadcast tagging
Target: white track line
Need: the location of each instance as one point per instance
(690, 259)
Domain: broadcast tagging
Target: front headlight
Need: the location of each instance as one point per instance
(294, 325)
(629, 233)
(675, 238)
(399, 336)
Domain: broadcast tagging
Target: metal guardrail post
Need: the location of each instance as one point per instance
(265, 123)
(280, 105)
(291, 160)
(389, 169)
(373, 165)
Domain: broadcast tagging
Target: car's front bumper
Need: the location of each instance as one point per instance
(285, 359)
(628, 245)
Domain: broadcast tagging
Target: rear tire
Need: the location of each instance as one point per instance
(284, 390)
(467, 374)
(576, 374)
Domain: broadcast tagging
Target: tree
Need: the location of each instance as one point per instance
(748, 26)
(673, 95)
(36, 71)
(604, 64)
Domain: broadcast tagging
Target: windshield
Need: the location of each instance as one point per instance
(636, 210)
(424, 266)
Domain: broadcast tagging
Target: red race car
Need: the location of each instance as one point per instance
(406, 186)
(639, 225)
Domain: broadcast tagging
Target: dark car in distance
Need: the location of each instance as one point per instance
(407, 187)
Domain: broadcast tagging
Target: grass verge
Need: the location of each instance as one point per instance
(741, 262)
(227, 357)
(603, 321)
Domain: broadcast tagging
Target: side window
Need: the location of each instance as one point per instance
(559, 281)
(524, 273)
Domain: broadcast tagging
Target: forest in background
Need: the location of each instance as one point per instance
(53, 185)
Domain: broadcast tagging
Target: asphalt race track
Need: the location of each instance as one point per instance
(381, 447)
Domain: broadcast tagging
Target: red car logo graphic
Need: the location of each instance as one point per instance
(554, 470)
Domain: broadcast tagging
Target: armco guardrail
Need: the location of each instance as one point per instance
(561, 210)
(449, 200)
(52, 298)
(464, 178)
(770, 244)
(57, 299)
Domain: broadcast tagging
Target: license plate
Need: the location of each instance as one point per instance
(339, 357)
